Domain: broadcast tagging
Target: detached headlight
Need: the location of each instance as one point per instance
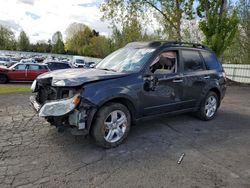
(59, 108)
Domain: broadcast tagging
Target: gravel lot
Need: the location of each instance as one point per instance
(34, 154)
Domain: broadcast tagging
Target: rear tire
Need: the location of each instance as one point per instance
(112, 125)
(209, 107)
(3, 79)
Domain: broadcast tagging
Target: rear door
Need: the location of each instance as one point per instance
(17, 73)
(194, 76)
(34, 70)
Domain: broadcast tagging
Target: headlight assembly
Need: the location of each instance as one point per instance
(33, 86)
(60, 107)
(59, 83)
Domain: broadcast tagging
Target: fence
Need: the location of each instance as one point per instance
(238, 72)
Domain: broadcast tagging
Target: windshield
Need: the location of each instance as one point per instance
(126, 60)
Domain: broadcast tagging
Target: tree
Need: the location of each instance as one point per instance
(239, 51)
(7, 39)
(57, 43)
(77, 36)
(168, 13)
(23, 42)
(99, 47)
(131, 31)
(218, 24)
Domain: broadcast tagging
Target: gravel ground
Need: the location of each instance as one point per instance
(217, 153)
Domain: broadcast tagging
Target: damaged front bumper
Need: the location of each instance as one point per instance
(62, 112)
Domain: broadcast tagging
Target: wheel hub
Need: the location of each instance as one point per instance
(116, 124)
(211, 106)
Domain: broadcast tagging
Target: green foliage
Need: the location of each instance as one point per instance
(99, 46)
(7, 39)
(78, 35)
(168, 13)
(83, 40)
(23, 42)
(239, 52)
(57, 43)
(131, 31)
(218, 24)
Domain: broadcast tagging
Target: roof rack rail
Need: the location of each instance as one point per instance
(186, 44)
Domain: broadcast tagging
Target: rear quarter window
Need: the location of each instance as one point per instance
(211, 61)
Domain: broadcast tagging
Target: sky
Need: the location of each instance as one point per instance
(41, 18)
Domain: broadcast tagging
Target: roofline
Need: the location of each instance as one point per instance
(166, 44)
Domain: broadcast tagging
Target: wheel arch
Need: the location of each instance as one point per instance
(122, 100)
(217, 91)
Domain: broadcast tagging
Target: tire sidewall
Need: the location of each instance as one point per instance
(4, 77)
(203, 111)
(98, 129)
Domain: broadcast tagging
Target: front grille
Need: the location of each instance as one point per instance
(47, 93)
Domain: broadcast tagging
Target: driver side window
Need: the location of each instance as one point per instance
(165, 63)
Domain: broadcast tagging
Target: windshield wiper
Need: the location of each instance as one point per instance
(113, 70)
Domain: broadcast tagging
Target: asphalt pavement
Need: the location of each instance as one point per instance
(217, 153)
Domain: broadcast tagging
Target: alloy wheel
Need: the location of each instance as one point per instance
(115, 126)
(211, 106)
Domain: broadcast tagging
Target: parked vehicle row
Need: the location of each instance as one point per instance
(27, 69)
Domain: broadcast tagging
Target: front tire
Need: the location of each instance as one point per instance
(112, 125)
(209, 107)
(3, 79)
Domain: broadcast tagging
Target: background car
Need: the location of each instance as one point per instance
(4, 60)
(57, 65)
(30, 60)
(78, 62)
(22, 72)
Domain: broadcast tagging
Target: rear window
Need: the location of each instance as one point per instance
(192, 61)
(63, 66)
(43, 67)
(211, 61)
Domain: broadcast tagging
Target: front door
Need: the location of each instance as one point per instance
(163, 85)
(18, 73)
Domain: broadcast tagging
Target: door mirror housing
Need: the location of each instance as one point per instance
(150, 83)
(13, 69)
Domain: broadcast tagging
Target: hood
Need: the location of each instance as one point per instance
(77, 77)
(3, 68)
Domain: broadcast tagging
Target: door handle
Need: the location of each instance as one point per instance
(206, 77)
(177, 80)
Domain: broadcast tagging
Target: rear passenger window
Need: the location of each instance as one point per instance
(211, 61)
(33, 67)
(192, 61)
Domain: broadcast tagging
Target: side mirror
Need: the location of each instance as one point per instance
(13, 69)
(150, 83)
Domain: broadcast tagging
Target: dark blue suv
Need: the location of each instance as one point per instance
(140, 80)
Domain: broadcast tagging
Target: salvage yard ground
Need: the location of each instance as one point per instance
(34, 154)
